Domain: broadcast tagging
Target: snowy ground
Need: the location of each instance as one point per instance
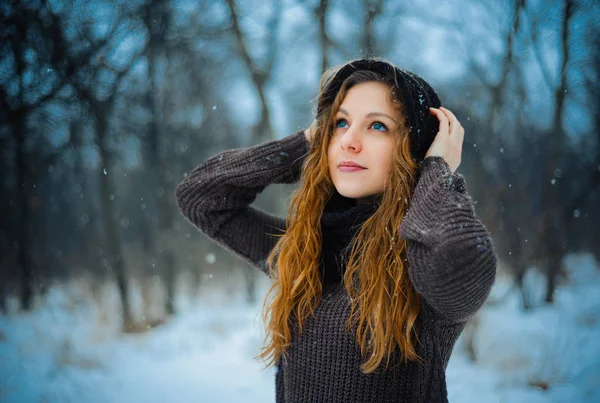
(67, 351)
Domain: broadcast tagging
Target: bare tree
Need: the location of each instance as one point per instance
(259, 75)
(101, 108)
(553, 221)
(374, 10)
(156, 19)
(34, 28)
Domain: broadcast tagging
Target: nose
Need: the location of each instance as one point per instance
(351, 140)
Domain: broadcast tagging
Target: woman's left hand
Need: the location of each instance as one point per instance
(448, 141)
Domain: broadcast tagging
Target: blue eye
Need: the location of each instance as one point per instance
(380, 124)
(375, 125)
(340, 120)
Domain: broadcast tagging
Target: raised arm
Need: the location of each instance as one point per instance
(216, 195)
(452, 261)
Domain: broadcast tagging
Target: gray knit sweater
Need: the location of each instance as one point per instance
(452, 264)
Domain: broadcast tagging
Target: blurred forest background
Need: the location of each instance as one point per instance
(105, 105)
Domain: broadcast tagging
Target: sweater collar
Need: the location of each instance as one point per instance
(349, 219)
(340, 222)
(345, 212)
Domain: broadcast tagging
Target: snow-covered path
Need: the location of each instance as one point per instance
(64, 351)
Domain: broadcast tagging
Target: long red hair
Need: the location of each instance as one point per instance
(385, 306)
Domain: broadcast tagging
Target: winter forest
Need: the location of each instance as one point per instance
(107, 294)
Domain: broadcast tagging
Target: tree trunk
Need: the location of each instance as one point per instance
(23, 239)
(112, 250)
(519, 280)
(373, 9)
(553, 219)
(156, 20)
(322, 15)
(18, 115)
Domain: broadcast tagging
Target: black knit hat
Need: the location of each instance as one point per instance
(416, 96)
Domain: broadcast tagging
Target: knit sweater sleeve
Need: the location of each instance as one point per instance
(452, 261)
(215, 196)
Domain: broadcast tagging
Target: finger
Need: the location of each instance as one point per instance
(456, 130)
(448, 113)
(444, 125)
(451, 119)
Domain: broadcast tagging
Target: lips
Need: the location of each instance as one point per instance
(350, 166)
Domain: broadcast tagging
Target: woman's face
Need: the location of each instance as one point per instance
(361, 149)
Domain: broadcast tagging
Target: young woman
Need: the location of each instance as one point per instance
(382, 259)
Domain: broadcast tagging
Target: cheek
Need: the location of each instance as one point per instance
(330, 154)
(386, 156)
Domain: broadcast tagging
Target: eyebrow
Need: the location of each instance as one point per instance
(345, 112)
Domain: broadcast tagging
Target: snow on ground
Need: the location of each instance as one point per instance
(66, 350)
(522, 353)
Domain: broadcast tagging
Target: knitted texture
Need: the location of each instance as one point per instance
(337, 229)
(452, 264)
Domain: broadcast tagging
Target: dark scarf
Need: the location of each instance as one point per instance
(341, 220)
